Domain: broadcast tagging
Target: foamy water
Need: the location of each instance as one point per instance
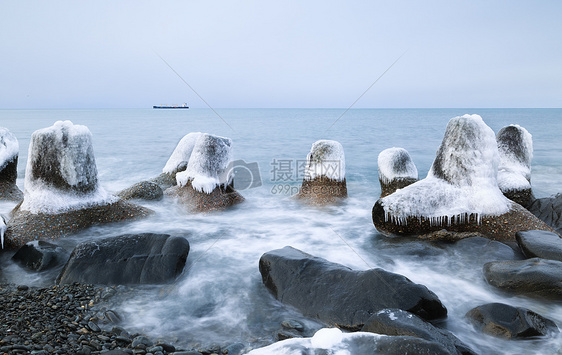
(220, 299)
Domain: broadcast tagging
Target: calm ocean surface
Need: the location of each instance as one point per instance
(220, 298)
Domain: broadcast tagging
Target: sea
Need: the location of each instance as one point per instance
(220, 298)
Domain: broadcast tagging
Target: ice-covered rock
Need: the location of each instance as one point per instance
(62, 194)
(460, 192)
(338, 295)
(396, 170)
(205, 184)
(334, 341)
(324, 180)
(515, 146)
(9, 152)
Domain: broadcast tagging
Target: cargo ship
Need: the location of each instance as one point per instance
(171, 106)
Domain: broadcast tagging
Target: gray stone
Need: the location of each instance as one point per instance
(540, 244)
(549, 209)
(338, 295)
(128, 259)
(40, 255)
(509, 322)
(534, 276)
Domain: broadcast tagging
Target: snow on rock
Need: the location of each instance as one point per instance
(396, 163)
(61, 171)
(207, 164)
(326, 158)
(9, 147)
(180, 156)
(515, 146)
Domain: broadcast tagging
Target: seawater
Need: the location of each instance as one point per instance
(220, 299)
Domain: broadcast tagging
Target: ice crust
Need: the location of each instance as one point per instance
(71, 145)
(326, 340)
(461, 181)
(395, 163)
(9, 147)
(326, 158)
(207, 164)
(515, 146)
(180, 156)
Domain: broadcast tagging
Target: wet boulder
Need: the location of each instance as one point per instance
(205, 185)
(9, 152)
(540, 244)
(549, 210)
(324, 181)
(338, 295)
(460, 192)
(62, 193)
(515, 146)
(144, 190)
(334, 341)
(398, 322)
(504, 321)
(128, 259)
(534, 276)
(396, 170)
(40, 255)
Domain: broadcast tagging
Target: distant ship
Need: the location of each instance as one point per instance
(171, 106)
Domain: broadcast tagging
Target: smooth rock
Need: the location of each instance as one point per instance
(540, 244)
(339, 295)
(144, 190)
(399, 322)
(128, 259)
(534, 276)
(549, 210)
(504, 321)
(40, 255)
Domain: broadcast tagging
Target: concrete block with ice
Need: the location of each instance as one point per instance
(460, 192)
(515, 146)
(396, 170)
(9, 152)
(62, 194)
(324, 180)
(205, 184)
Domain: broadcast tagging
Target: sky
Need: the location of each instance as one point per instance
(280, 54)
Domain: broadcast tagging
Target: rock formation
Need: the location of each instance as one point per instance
(9, 152)
(324, 181)
(62, 194)
(396, 170)
(460, 192)
(205, 185)
(515, 146)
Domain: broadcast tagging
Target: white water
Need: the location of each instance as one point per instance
(220, 298)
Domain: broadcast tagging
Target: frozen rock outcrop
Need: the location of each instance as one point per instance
(9, 152)
(460, 192)
(515, 146)
(324, 180)
(396, 170)
(205, 184)
(62, 194)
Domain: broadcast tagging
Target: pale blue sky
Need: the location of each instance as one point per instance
(308, 53)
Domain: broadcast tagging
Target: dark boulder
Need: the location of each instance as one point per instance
(504, 321)
(128, 259)
(549, 210)
(399, 322)
(535, 276)
(40, 255)
(338, 295)
(540, 244)
(144, 190)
